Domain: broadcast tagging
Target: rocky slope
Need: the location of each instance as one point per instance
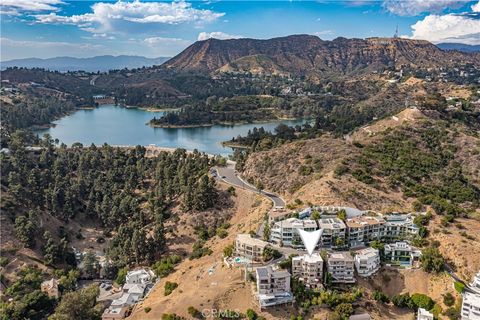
(305, 54)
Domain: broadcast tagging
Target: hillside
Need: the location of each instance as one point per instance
(92, 64)
(306, 54)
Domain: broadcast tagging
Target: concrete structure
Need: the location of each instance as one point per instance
(333, 232)
(470, 306)
(341, 267)
(367, 262)
(400, 226)
(363, 229)
(423, 314)
(115, 313)
(363, 316)
(50, 288)
(273, 286)
(277, 214)
(285, 232)
(309, 270)
(401, 253)
(142, 276)
(249, 248)
(475, 284)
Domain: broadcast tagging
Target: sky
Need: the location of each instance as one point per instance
(52, 28)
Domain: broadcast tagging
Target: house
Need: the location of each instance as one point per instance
(401, 253)
(286, 232)
(367, 262)
(309, 270)
(400, 226)
(340, 265)
(115, 313)
(470, 306)
(50, 288)
(363, 229)
(333, 232)
(423, 314)
(475, 284)
(249, 248)
(273, 286)
(143, 276)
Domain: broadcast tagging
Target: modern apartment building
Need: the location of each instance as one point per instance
(475, 284)
(286, 232)
(400, 226)
(423, 314)
(334, 232)
(273, 286)
(367, 262)
(363, 229)
(470, 306)
(341, 266)
(401, 253)
(249, 248)
(309, 270)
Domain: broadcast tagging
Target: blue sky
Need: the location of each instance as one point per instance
(50, 28)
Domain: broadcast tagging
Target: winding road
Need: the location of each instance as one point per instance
(228, 175)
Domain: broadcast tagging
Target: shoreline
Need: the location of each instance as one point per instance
(151, 109)
(180, 126)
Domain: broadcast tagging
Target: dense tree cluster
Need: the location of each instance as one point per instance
(122, 190)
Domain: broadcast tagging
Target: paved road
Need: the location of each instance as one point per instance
(228, 175)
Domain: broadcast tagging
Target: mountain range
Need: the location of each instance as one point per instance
(459, 46)
(310, 55)
(93, 64)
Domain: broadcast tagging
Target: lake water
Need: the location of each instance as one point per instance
(121, 126)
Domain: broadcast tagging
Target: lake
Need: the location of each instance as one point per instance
(121, 126)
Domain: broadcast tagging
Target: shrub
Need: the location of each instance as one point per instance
(166, 265)
(459, 286)
(422, 301)
(251, 315)
(345, 310)
(169, 287)
(380, 296)
(228, 250)
(432, 260)
(147, 309)
(448, 299)
(195, 313)
(452, 313)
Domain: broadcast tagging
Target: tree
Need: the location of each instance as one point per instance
(25, 228)
(228, 251)
(266, 231)
(380, 296)
(121, 276)
(50, 249)
(342, 215)
(270, 253)
(315, 215)
(345, 310)
(432, 260)
(448, 299)
(79, 305)
(422, 301)
(90, 265)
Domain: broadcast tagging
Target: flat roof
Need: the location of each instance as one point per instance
(361, 221)
(367, 253)
(340, 256)
(314, 258)
(331, 223)
(247, 239)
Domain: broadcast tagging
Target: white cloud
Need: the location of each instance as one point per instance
(416, 7)
(154, 41)
(14, 7)
(476, 7)
(43, 49)
(118, 16)
(463, 28)
(217, 35)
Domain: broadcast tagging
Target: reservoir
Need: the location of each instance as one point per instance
(127, 126)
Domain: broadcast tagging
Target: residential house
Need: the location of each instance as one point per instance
(273, 286)
(143, 276)
(249, 248)
(333, 232)
(363, 229)
(475, 284)
(309, 270)
(50, 288)
(400, 226)
(401, 253)
(423, 314)
(115, 313)
(340, 265)
(285, 232)
(367, 262)
(470, 306)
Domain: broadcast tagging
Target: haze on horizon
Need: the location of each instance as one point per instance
(53, 28)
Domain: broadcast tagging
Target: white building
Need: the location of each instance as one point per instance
(249, 248)
(286, 232)
(400, 226)
(341, 266)
(363, 229)
(401, 253)
(423, 314)
(139, 276)
(273, 286)
(309, 270)
(367, 262)
(470, 306)
(333, 232)
(475, 285)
